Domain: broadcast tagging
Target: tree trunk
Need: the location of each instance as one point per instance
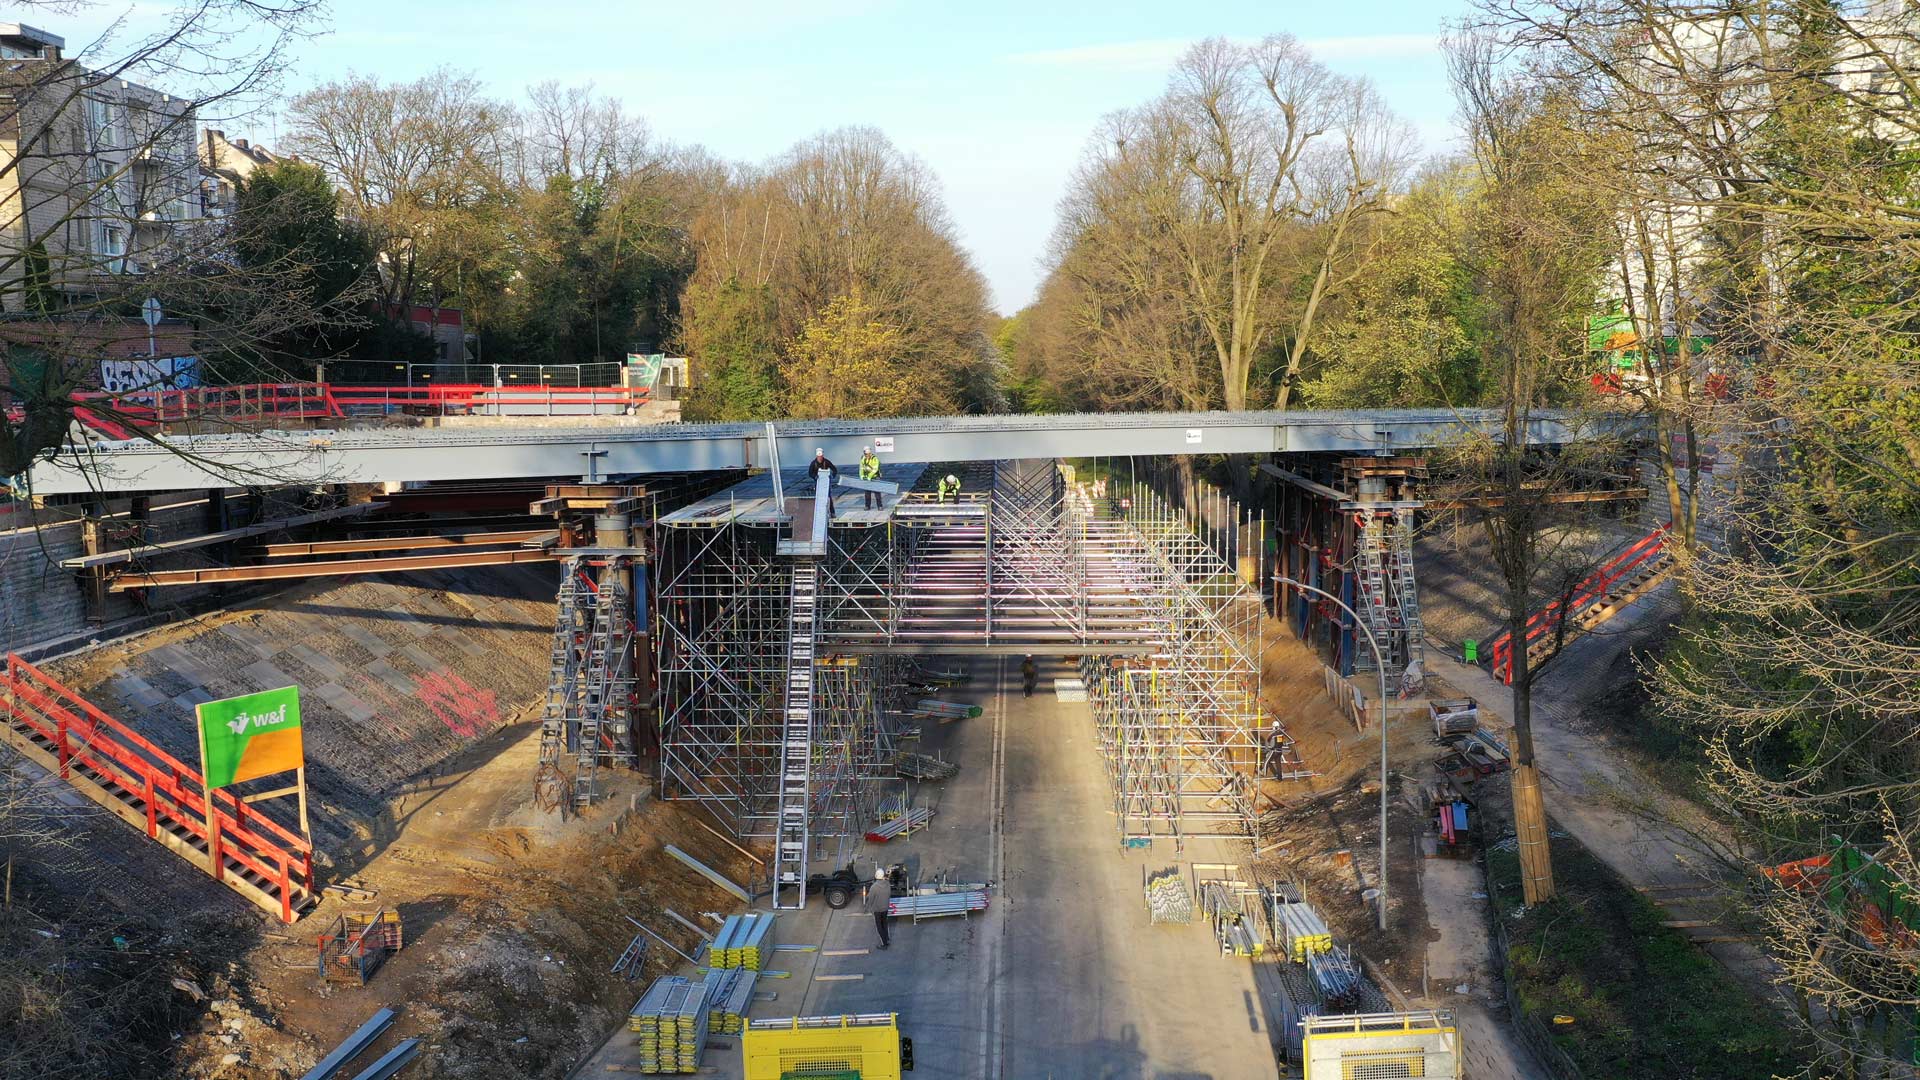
(1529, 807)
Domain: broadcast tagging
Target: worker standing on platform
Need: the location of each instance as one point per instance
(869, 470)
(1029, 675)
(949, 485)
(818, 463)
(879, 894)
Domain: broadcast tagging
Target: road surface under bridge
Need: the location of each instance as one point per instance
(610, 451)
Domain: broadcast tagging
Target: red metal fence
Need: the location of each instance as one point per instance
(118, 768)
(1592, 589)
(122, 416)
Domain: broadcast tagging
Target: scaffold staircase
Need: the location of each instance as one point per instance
(796, 746)
(1406, 594)
(586, 718)
(1372, 580)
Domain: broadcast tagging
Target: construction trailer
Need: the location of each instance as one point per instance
(864, 1047)
(1379, 1046)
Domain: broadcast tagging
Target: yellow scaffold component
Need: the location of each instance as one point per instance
(866, 1046)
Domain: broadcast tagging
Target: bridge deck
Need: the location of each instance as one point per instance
(600, 452)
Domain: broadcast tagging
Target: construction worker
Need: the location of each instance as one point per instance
(869, 470)
(949, 485)
(878, 895)
(1029, 675)
(813, 473)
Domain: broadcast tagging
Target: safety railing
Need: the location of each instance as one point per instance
(258, 857)
(1591, 590)
(123, 416)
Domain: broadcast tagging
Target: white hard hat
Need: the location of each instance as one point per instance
(866, 449)
(952, 479)
(879, 873)
(818, 452)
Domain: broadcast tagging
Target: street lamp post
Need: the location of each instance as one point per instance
(1380, 666)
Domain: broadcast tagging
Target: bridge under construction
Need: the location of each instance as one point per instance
(757, 643)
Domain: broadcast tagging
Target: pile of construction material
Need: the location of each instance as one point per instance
(1237, 929)
(924, 767)
(896, 820)
(670, 1025)
(1300, 929)
(1168, 900)
(946, 710)
(928, 677)
(1336, 978)
(729, 995)
(932, 905)
(1453, 719)
(744, 941)
(1069, 690)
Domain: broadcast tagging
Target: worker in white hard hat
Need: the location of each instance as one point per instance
(818, 463)
(949, 485)
(879, 894)
(869, 470)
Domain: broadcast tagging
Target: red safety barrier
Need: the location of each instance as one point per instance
(116, 416)
(121, 770)
(1592, 589)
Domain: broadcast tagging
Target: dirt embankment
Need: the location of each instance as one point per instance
(512, 921)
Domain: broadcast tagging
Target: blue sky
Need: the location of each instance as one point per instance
(997, 96)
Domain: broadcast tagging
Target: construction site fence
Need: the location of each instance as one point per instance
(1590, 589)
(119, 416)
(153, 781)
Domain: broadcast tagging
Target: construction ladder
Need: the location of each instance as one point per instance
(1406, 590)
(796, 748)
(1373, 595)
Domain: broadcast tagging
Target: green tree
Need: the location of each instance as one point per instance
(288, 224)
(847, 363)
(733, 339)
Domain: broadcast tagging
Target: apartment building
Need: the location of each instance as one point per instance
(98, 176)
(225, 164)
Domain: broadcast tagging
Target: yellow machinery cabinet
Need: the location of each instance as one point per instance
(864, 1047)
(1382, 1046)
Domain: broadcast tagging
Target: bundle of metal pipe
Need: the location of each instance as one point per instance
(1334, 975)
(927, 906)
(1301, 930)
(902, 824)
(953, 709)
(925, 767)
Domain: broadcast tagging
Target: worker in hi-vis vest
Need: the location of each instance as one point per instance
(869, 470)
(949, 485)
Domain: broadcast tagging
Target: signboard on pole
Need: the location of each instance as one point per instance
(247, 737)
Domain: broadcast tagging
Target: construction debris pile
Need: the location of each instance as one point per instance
(670, 1022)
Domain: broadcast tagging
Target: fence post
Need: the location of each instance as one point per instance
(153, 821)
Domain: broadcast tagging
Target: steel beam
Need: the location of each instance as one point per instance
(401, 543)
(154, 551)
(509, 450)
(339, 568)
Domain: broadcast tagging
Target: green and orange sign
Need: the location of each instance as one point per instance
(247, 737)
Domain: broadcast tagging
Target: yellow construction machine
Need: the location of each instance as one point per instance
(864, 1047)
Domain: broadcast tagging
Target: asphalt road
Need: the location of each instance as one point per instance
(1063, 976)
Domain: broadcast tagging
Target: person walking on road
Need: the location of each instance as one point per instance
(1028, 675)
(869, 470)
(876, 900)
(818, 463)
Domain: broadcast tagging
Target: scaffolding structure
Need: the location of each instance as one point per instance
(1178, 730)
(1019, 562)
(592, 693)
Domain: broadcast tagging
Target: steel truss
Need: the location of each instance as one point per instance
(1025, 564)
